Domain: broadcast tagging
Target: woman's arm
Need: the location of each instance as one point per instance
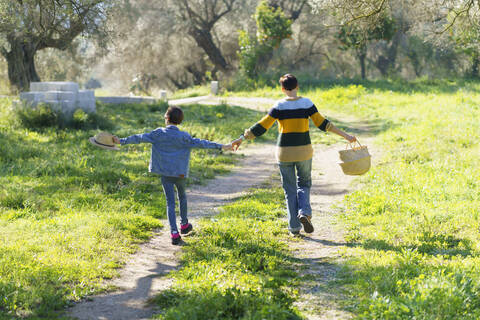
(332, 128)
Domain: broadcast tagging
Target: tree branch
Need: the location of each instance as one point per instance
(369, 14)
(457, 14)
(4, 52)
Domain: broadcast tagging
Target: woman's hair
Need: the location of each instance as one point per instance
(288, 82)
(174, 115)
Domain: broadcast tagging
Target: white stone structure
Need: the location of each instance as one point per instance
(214, 87)
(163, 95)
(64, 96)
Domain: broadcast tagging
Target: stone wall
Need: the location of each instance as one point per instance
(127, 100)
(63, 96)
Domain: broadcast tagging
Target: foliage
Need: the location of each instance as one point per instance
(70, 212)
(413, 225)
(45, 116)
(272, 28)
(237, 265)
(33, 25)
(351, 36)
(466, 37)
(195, 91)
(416, 219)
(72, 64)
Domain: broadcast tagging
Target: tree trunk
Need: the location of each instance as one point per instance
(21, 63)
(198, 76)
(204, 39)
(475, 65)
(387, 64)
(264, 60)
(362, 56)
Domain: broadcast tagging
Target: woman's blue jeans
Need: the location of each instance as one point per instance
(169, 184)
(296, 182)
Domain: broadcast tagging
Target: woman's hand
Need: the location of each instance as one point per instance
(248, 134)
(116, 140)
(350, 138)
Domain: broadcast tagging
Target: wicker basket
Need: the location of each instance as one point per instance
(356, 167)
(356, 151)
(356, 160)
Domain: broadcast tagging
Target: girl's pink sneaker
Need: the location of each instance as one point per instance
(175, 237)
(186, 228)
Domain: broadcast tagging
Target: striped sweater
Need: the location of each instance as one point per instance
(293, 142)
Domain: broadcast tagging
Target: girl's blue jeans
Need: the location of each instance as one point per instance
(296, 182)
(169, 184)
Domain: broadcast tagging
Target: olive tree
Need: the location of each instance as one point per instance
(200, 17)
(27, 26)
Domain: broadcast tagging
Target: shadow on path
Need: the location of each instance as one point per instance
(123, 305)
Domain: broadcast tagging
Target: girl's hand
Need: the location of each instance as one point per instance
(227, 147)
(236, 144)
(116, 140)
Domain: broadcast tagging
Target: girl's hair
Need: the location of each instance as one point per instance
(288, 81)
(174, 115)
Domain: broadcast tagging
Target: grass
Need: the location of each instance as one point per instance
(237, 265)
(414, 224)
(197, 91)
(70, 212)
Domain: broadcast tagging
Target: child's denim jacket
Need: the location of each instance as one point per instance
(170, 149)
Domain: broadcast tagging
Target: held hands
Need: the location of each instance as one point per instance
(246, 135)
(236, 144)
(116, 140)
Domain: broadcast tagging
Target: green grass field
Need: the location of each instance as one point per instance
(70, 212)
(414, 224)
(237, 265)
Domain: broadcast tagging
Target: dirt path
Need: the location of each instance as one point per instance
(144, 274)
(319, 252)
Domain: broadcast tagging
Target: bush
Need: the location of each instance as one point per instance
(85, 121)
(45, 116)
(159, 106)
(256, 52)
(42, 116)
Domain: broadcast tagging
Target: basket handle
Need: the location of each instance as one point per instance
(352, 145)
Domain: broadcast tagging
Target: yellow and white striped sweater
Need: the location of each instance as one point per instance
(293, 142)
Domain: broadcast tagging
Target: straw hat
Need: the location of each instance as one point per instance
(356, 160)
(104, 140)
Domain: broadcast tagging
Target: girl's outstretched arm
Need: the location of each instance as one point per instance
(148, 137)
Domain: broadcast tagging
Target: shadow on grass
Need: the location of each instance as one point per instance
(366, 128)
(375, 288)
(432, 245)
